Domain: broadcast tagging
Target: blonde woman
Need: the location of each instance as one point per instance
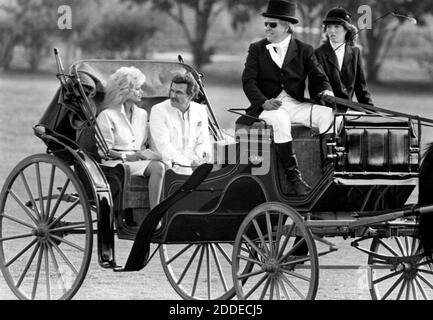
(125, 129)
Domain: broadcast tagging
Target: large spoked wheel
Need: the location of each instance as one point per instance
(200, 271)
(275, 233)
(46, 230)
(400, 272)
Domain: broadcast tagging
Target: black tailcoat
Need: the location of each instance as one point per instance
(350, 80)
(262, 79)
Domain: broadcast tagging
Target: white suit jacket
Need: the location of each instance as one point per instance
(176, 145)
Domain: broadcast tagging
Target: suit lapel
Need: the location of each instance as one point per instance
(292, 51)
(331, 56)
(347, 57)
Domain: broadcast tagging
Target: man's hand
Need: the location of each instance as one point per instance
(137, 156)
(272, 104)
(326, 93)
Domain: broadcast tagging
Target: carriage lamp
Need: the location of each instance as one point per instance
(256, 160)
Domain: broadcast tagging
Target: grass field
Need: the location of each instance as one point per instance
(24, 97)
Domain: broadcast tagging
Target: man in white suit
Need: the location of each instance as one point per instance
(179, 127)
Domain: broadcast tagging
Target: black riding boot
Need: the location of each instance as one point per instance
(290, 165)
(326, 162)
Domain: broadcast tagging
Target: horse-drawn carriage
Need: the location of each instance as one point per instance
(231, 228)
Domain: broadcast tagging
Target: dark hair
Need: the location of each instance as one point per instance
(351, 35)
(187, 78)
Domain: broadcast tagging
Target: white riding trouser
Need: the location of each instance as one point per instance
(293, 111)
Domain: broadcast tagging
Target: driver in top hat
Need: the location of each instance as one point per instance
(274, 79)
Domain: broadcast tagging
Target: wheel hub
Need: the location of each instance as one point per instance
(409, 272)
(271, 266)
(42, 231)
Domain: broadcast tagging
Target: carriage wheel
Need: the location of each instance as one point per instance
(274, 231)
(403, 274)
(46, 230)
(198, 271)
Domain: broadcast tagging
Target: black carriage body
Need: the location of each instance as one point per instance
(376, 168)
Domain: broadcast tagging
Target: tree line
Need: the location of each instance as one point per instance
(125, 28)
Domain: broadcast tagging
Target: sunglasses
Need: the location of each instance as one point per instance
(271, 24)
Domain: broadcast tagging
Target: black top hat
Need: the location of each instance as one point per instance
(283, 10)
(337, 16)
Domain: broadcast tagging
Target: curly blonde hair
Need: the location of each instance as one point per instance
(120, 83)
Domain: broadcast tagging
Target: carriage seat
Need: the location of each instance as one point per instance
(306, 142)
(299, 131)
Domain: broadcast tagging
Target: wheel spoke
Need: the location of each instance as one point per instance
(283, 288)
(60, 252)
(270, 237)
(70, 226)
(50, 190)
(277, 289)
(208, 269)
(17, 220)
(408, 287)
(291, 285)
(260, 252)
(295, 246)
(56, 266)
(286, 241)
(32, 257)
(47, 273)
(425, 271)
(59, 199)
(41, 197)
(389, 248)
(254, 288)
(197, 274)
(69, 243)
(250, 260)
(38, 271)
(265, 288)
(400, 246)
(218, 265)
(425, 281)
(390, 290)
(188, 265)
(393, 274)
(22, 205)
(71, 207)
(412, 284)
(271, 290)
(223, 253)
(21, 252)
(27, 235)
(400, 292)
(261, 237)
(251, 274)
(279, 234)
(179, 253)
(420, 287)
(296, 275)
(30, 195)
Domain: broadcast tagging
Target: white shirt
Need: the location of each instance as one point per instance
(180, 138)
(339, 52)
(122, 135)
(281, 48)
